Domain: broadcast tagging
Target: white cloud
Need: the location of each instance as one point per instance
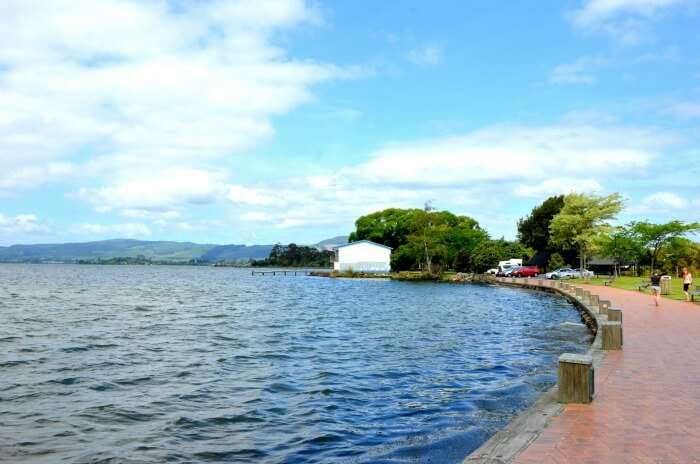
(599, 10)
(515, 154)
(581, 71)
(118, 87)
(248, 196)
(425, 55)
(624, 20)
(21, 178)
(558, 186)
(21, 224)
(159, 192)
(479, 172)
(113, 230)
(668, 200)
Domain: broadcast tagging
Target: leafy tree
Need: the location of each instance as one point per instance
(426, 239)
(581, 220)
(556, 261)
(488, 253)
(429, 237)
(655, 236)
(621, 245)
(293, 255)
(390, 227)
(678, 253)
(533, 230)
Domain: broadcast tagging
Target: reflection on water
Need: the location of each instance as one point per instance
(190, 364)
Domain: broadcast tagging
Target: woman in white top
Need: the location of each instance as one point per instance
(687, 281)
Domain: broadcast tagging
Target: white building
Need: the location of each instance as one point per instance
(362, 256)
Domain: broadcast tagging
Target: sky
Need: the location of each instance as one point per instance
(268, 121)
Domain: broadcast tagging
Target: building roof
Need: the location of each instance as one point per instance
(363, 241)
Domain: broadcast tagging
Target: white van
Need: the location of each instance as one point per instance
(505, 266)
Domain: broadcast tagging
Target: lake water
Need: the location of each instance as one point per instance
(141, 364)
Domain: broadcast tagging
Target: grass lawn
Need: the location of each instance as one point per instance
(632, 283)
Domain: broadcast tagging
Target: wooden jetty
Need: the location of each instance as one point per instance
(284, 273)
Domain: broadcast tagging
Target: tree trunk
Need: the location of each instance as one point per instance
(427, 257)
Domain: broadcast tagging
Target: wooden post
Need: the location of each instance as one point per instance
(576, 378)
(615, 315)
(612, 335)
(579, 292)
(595, 301)
(586, 296)
(603, 306)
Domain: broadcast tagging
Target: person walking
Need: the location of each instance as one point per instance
(656, 287)
(687, 282)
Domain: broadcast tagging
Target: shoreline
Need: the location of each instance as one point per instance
(509, 442)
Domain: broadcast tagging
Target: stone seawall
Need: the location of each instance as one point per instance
(506, 444)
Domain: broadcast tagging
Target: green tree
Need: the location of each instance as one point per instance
(533, 230)
(556, 261)
(678, 253)
(488, 253)
(620, 244)
(426, 239)
(581, 220)
(655, 236)
(390, 227)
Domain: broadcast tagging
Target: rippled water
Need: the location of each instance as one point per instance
(196, 364)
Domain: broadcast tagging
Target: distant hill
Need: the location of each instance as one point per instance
(105, 249)
(236, 253)
(331, 243)
(161, 251)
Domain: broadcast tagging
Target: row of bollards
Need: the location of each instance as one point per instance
(576, 371)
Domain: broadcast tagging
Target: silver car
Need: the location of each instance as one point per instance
(563, 273)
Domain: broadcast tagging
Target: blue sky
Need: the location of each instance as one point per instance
(284, 120)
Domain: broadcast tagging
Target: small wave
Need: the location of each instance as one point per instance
(219, 456)
(136, 381)
(67, 381)
(13, 363)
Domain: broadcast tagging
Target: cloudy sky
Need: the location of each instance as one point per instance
(283, 120)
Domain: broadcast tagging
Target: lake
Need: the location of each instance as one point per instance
(150, 364)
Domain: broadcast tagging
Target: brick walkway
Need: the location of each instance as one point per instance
(647, 403)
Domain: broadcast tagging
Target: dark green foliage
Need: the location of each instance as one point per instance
(656, 236)
(422, 238)
(680, 252)
(294, 255)
(488, 253)
(556, 261)
(390, 227)
(236, 253)
(533, 230)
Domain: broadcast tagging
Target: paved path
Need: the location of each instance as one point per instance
(647, 403)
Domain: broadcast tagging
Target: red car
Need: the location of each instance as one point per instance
(526, 271)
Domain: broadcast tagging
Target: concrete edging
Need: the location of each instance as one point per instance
(514, 438)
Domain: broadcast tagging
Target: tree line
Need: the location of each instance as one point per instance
(434, 241)
(294, 255)
(577, 227)
(563, 230)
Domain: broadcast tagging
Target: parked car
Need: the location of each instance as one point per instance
(493, 271)
(563, 273)
(507, 271)
(568, 273)
(526, 271)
